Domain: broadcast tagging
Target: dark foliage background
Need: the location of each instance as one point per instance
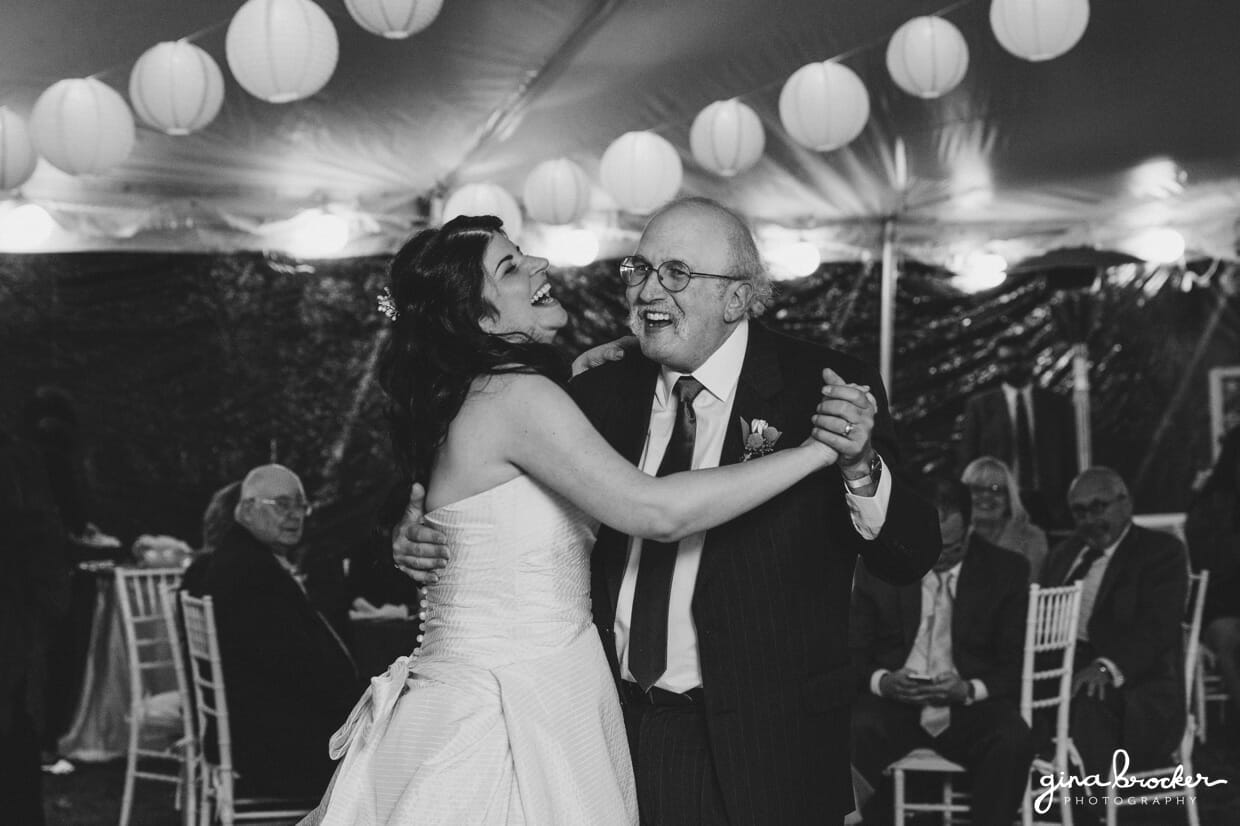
(190, 369)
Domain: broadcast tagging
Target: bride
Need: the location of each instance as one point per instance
(506, 712)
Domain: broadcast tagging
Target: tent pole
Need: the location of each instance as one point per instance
(1080, 393)
(887, 322)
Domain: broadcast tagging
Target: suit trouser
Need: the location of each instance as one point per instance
(677, 784)
(988, 738)
(21, 776)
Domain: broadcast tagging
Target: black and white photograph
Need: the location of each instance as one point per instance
(619, 412)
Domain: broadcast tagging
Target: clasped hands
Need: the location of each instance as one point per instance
(1094, 678)
(944, 689)
(843, 423)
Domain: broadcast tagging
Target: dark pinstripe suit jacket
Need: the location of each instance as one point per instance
(772, 595)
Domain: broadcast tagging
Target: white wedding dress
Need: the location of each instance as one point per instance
(506, 714)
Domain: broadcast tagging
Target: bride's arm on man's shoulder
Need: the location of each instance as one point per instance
(549, 438)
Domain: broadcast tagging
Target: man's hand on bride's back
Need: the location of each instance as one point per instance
(418, 551)
(603, 353)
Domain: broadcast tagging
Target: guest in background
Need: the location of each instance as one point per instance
(217, 522)
(1213, 529)
(34, 592)
(939, 664)
(1030, 429)
(1128, 688)
(999, 516)
(291, 681)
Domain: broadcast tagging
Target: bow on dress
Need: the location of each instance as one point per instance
(373, 710)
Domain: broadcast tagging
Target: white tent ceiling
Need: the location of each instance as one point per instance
(1022, 156)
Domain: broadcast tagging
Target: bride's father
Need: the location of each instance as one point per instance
(731, 652)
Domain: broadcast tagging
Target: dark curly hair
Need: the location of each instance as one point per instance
(437, 346)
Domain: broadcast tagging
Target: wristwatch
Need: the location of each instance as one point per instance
(873, 474)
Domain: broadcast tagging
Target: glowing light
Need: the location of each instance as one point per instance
(1038, 30)
(641, 171)
(794, 260)
(319, 234)
(980, 271)
(1158, 245)
(25, 228)
(1157, 178)
(824, 106)
(927, 57)
(573, 248)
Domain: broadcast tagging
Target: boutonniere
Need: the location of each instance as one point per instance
(760, 438)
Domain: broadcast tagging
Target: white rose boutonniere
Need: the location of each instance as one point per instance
(760, 438)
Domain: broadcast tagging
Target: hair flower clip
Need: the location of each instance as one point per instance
(760, 438)
(387, 305)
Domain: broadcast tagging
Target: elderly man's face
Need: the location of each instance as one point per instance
(274, 512)
(1100, 508)
(681, 330)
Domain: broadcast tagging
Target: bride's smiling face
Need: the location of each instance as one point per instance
(517, 285)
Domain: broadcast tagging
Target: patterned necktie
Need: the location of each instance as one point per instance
(1081, 569)
(652, 592)
(1024, 445)
(936, 719)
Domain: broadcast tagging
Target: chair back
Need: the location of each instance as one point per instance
(152, 665)
(1050, 645)
(1172, 523)
(1197, 584)
(174, 629)
(207, 677)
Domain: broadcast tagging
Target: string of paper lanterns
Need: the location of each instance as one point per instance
(17, 155)
(176, 87)
(287, 50)
(394, 19)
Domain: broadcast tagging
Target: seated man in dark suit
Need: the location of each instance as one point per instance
(291, 681)
(1033, 431)
(939, 664)
(1128, 688)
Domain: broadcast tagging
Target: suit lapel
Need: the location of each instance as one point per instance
(1115, 569)
(756, 390)
(910, 612)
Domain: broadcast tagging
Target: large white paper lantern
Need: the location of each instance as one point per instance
(394, 19)
(727, 137)
(557, 192)
(176, 87)
(927, 57)
(281, 50)
(824, 106)
(641, 171)
(82, 125)
(17, 155)
(1038, 29)
(485, 199)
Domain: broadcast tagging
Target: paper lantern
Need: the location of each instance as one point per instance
(176, 87)
(727, 137)
(485, 199)
(824, 106)
(281, 50)
(17, 155)
(394, 19)
(82, 125)
(1038, 29)
(641, 171)
(557, 192)
(927, 57)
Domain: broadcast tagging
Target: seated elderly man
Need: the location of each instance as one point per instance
(1128, 688)
(291, 682)
(940, 666)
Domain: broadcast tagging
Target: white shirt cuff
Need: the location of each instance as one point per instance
(875, 678)
(979, 692)
(869, 513)
(1117, 676)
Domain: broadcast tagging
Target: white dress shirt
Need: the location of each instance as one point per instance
(719, 375)
(1025, 395)
(1090, 583)
(919, 658)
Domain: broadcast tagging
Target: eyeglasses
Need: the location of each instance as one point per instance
(285, 506)
(1095, 508)
(987, 488)
(673, 275)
